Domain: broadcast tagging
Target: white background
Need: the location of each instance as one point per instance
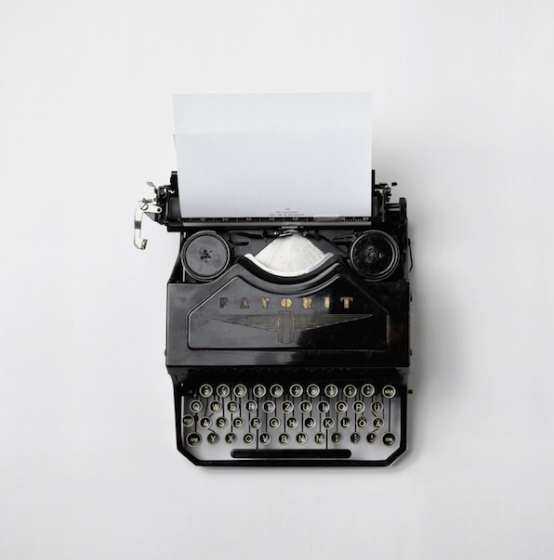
(463, 118)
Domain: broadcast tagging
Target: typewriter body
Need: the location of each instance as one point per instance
(288, 338)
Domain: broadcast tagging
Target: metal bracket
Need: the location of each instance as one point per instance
(144, 207)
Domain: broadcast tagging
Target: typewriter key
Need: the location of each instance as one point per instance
(238, 423)
(215, 406)
(389, 439)
(350, 391)
(377, 407)
(188, 420)
(378, 423)
(268, 406)
(296, 390)
(368, 390)
(194, 439)
(309, 423)
(328, 423)
(312, 390)
(196, 406)
(248, 438)
(221, 422)
(274, 423)
(355, 438)
(374, 255)
(345, 423)
(259, 391)
(331, 391)
(389, 391)
(212, 438)
(362, 422)
(265, 438)
(223, 391)
(323, 407)
(251, 406)
(205, 423)
(206, 391)
(284, 439)
(305, 407)
(231, 438)
(336, 438)
(341, 406)
(205, 255)
(240, 391)
(292, 422)
(276, 391)
(233, 406)
(301, 438)
(319, 438)
(287, 407)
(256, 423)
(358, 407)
(371, 438)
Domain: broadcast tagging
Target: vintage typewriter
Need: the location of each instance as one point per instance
(288, 338)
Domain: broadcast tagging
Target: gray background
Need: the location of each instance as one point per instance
(463, 120)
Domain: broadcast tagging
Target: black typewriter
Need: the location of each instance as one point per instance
(288, 338)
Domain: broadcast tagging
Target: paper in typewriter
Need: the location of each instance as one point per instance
(273, 155)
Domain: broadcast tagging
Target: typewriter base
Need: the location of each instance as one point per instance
(242, 428)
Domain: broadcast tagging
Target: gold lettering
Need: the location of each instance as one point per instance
(346, 301)
(327, 302)
(307, 302)
(286, 302)
(318, 437)
(265, 302)
(244, 304)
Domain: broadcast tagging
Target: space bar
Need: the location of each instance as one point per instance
(291, 454)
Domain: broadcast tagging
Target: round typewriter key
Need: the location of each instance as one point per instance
(388, 391)
(239, 423)
(251, 406)
(292, 422)
(212, 438)
(215, 406)
(362, 422)
(206, 390)
(287, 407)
(296, 390)
(309, 423)
(345, 423)
(187, 420)
(265, 438)
(319, 438)
(350, 391)
(305, 407)
(223, 391)
(259, 391)
(336, 438)
(284, 439)
(274, 423)
(233, 406)
(276, 391)
(205, 423)
(268, 406)
(371, 438)
(248, 438)
(221, 422)
(328, 423)
(331, 391)
(196, 406)
(194, 439)
(355, 438)
(323, 407)
(341, 406)
(377, 407)
(368, 390)
(240, 391)
(389, 439)
(378, 423)
(256, 423)
(374, 255)
(358, 407)
(205, 255)
(231, 438)
(312, 390)
(301, 438)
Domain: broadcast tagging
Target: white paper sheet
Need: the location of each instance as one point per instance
(273, 155)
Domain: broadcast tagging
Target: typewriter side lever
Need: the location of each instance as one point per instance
(151, 209)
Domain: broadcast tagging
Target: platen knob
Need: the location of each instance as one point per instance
(205, 255)
(374, 255)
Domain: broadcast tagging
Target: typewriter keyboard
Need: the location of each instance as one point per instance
(353, 421)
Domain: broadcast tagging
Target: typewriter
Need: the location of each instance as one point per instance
(288, 338)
